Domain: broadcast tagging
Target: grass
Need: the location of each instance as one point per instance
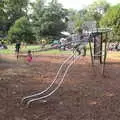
(113, 54)
(56, 52)
(11, 49)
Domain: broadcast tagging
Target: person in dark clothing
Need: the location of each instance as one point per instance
(18, 44)
(80, 51)
(77, 49)
(17, 47)
(117, 46)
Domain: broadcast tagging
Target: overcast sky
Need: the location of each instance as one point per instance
(79, 4)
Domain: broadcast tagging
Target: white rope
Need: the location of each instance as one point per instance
(50, 86)
(36, 99)
(30, 96)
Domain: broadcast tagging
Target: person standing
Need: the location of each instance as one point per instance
(17, 47)
(43, 43)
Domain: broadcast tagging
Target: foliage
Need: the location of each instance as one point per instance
(21, 30)
(75, 20)
(3, 19)
(96, 10)
(11, 49)
(14, 9)
(48, 20)
(112, 20)
(93, 12)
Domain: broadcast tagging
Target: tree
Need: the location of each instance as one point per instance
(48, 20)
(93, 12)
(96, 10)
(3, 19)
(75, 21)
(71, 21)
(112, 20)
(14, 9)
(21, 30)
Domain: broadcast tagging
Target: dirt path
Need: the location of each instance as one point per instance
(84, 95)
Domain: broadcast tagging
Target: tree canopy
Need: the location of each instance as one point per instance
(48, 20)
(3, 19)
(96, 10)
(20, 19)
(14, 9)
(22, 31)
(112, 20)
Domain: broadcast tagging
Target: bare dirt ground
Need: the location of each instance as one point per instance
(84, 95)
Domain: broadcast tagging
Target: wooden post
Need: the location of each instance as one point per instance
(91, 51)
(94, 43)
(101, 43)
(105, 49)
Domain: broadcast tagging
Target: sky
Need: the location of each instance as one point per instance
(79, 4)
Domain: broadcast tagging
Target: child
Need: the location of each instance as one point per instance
(29, 56)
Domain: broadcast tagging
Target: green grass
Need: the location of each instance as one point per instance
(114, 55)
(30, 47)
(11, 49)
(7, 51)
(56, 52)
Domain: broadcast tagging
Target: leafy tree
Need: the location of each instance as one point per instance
(93, 12)
(14, 9)
(3, 19)
(74, 21)
(48, 20)
(112, 20)
(21, 30)
(96, 10)
(71, 20)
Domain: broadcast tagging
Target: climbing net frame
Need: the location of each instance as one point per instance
(98, 51)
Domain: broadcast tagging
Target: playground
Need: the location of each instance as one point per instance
(59, 60)
(84, 95)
